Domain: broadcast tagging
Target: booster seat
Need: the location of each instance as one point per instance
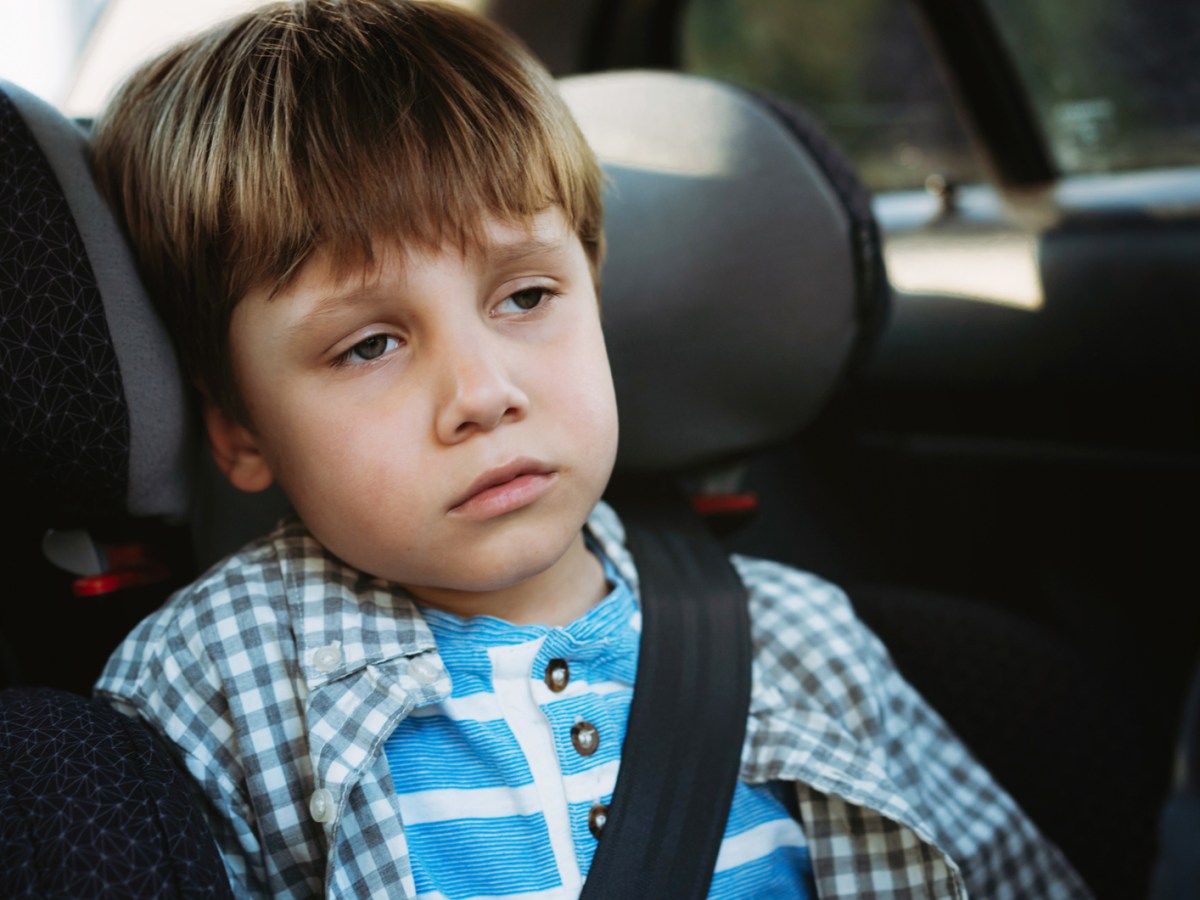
(744, 282)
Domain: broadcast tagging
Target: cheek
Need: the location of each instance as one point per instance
(334, 455)
(585, 391)
(357, 491)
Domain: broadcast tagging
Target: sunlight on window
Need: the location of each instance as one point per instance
(73, 53)
(130, 31)
(991, 268)
(39, 43)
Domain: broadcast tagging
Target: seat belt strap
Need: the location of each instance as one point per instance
(687, 719)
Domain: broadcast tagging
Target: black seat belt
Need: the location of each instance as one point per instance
(687, 720)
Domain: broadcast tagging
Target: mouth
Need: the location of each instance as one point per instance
(504, 489)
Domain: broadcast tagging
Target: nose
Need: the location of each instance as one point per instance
(478, 390)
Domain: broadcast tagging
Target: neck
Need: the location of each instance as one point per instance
(557, 596)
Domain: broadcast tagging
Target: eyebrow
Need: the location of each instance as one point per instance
(330, 306)
(499, 254)
(515, 251)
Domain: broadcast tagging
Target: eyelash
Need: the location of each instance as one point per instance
(344, 358)
(546, 296)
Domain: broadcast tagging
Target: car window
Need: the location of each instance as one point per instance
(130, 31)
(1115, 83)
(72, 53)
(859, 65)
(40, 43)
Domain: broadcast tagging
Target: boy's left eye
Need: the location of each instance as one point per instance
(524, 300)
(367, 350)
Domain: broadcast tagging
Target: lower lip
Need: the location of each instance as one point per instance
(505, 498)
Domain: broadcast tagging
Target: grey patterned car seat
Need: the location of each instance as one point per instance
(90, 804)
(744, 286)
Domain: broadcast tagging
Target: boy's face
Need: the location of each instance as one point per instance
(448, 422)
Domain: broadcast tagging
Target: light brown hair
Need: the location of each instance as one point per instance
(327, 123)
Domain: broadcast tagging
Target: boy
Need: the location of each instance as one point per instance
(375, 232)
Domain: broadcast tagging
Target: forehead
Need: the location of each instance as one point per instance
(494, 243)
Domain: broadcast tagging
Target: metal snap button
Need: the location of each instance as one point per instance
(597, 819)
(558, 675)
(585, 737)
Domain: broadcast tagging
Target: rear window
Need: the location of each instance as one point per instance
(860, 66)
(1115, 83)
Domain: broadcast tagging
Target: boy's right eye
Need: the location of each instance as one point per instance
(367, 350)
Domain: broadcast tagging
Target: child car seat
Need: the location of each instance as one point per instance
(93, 427)
(744, 281)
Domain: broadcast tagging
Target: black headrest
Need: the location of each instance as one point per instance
(743, 270)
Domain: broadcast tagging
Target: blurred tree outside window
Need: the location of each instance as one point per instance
(860, 67)
(1115, 83)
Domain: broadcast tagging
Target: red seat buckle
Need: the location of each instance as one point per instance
(725, 504)
(119, 579)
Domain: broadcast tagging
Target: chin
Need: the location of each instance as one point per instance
(510, 570)
(519, 556)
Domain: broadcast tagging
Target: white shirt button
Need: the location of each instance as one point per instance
(326, 659)
(320, 805)
(424, 669)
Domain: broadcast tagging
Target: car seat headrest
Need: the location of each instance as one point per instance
(743, 264)
(92, 406)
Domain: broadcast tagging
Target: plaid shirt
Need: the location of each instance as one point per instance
(280, 673)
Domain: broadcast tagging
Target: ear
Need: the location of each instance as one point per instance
(236, 451)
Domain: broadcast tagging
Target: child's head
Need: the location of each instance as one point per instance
(375, 230)
(328, 124)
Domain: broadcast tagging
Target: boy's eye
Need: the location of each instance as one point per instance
(368, 349)
(524, 300)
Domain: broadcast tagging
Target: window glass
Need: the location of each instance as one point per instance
(73, 53)
(1116, 83)
(859, 66)
(41, 41)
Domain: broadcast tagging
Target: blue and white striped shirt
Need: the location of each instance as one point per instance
(496, 795)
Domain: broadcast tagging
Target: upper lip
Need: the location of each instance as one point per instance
(500, 475)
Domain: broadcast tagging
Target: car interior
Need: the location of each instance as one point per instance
(1005, 487)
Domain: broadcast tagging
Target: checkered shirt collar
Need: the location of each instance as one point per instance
(368, 620)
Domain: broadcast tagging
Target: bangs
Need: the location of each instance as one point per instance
(418, 134)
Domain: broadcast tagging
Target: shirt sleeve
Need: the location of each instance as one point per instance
(896, 752)
(159, 677)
